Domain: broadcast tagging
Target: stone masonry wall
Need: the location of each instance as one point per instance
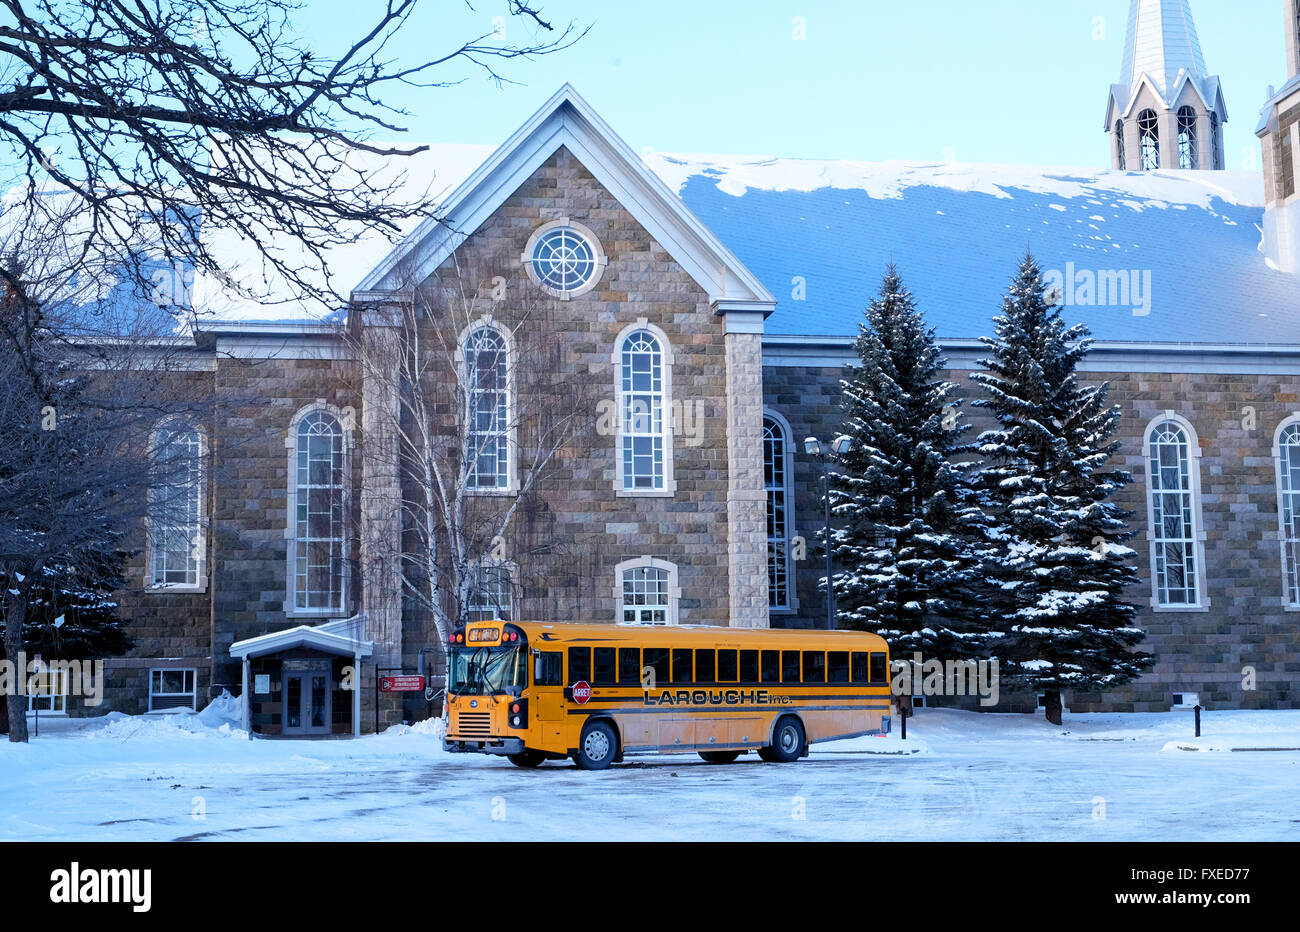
(1246, 625)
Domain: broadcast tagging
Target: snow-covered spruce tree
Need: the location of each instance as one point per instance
(909, 533)
(1061, 564)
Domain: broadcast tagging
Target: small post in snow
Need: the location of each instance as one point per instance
(1197, 710)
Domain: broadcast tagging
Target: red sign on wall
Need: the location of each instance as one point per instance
(401, 684)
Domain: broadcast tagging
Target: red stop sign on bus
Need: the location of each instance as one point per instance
(581, 692)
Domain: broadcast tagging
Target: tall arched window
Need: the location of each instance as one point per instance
(776, 481)
(1149, 135)
(646, 591)
(645, 412)
(176, 508)
(487, 373)
(1119, 145)
(317, 528)
(1173, 475)
(1286, 453)
(1188, 148)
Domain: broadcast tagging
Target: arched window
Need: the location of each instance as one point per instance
(1286, 454)
(491, 595)
(645, 412)
(176, 508)
(646, 591)
(1188, 149)
(1173, 476)
(487, 375)
(1119, 145)
(776, 481)
(318, 487)
(1149, 135)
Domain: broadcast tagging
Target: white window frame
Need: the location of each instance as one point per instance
(1196, 533)
(199, 535)
(674, 593)
(787, 435)
(56, 699)
(509, 429)
(491, 612)
(598, 257)
(1290, 568)
(346, 428)
(193, 694)
(666, 425)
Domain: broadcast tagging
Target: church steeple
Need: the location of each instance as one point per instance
(1167, 111)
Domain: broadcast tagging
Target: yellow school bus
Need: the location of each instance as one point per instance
(532, 691)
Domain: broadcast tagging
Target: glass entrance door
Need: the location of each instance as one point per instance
(306, 703)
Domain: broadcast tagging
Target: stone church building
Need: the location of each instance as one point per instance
(701, 311)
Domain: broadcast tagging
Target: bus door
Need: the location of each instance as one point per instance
(547, 706)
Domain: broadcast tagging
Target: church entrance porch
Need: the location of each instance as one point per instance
(304, 682)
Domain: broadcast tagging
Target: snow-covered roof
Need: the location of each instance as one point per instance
(342, 637)
(820, 233)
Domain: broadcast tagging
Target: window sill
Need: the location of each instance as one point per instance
(1190, 609)
(179, 708)
(493, 493)
(175, 587)
(646, 493)
(315, 613)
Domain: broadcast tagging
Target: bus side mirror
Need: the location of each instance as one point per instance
(537, 668)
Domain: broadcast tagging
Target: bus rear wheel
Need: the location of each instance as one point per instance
(720, 757)
(788, 742)
(597, 747)
(527, 758)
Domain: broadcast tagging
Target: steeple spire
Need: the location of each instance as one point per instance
(1167, 110)
(1162, 44)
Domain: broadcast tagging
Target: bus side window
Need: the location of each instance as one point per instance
(771, 666)
(579, 664)
(726, 666)
(603, 674)
(814, 666)
(749, 667)
(837, 666)
(860, 667)
(878, 668)
(682, 666)
(656, 658)
(629, 666)
(704, 672)
(548, 670)
(789, 666)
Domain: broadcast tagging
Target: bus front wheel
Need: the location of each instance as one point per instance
(720, 757)
(597, 747)
(527, 758)
(788, 742)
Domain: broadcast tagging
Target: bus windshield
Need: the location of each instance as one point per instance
(486, 671)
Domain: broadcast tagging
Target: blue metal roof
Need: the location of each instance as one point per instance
(1192, 236)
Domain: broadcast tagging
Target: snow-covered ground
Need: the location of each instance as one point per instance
(960, 776)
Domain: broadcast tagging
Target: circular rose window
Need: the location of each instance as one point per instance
(565, 259)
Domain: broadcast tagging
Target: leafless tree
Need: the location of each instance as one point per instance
(79, 438)
(175, 121)
(486, 414)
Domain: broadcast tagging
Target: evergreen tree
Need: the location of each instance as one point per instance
(1061, 564)
(910, 529)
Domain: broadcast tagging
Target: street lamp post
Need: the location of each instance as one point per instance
(814, 447)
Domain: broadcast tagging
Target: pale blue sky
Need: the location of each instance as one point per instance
(1022, 81)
